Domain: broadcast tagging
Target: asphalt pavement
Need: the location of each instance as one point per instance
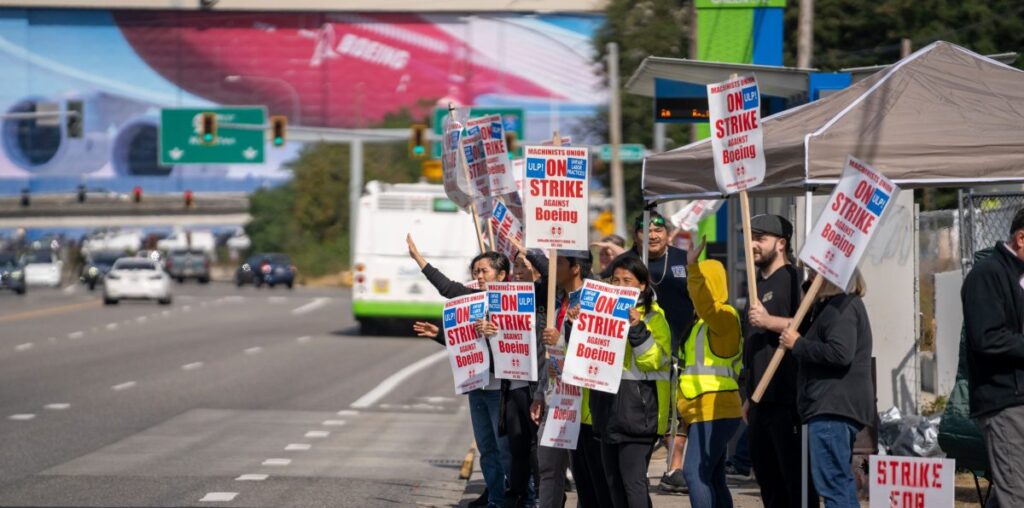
(227, 397)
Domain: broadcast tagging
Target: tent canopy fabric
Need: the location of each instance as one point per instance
(943, 116)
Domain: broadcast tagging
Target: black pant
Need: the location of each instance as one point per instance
(625, 466)
(522, 440)
(591, 484)
(774, 438)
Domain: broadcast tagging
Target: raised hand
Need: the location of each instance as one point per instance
(425, 329)
(693, 255)
(414, 253)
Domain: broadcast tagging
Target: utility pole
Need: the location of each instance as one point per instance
(905, 47)
(692, 54)
(615, 138)
(805, 34)
(355, 191)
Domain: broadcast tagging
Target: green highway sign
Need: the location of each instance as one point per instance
(514, 120)
(180, 129)
(628, 152)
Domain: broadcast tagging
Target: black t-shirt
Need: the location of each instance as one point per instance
(780, 295)
(670, 287)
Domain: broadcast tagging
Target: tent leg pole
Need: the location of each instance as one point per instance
(647, 233)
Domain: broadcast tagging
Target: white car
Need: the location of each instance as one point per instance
(43, 268)
(136, 278)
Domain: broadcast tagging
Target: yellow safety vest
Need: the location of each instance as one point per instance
(705, 372)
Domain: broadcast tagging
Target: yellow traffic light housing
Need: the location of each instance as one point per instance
(208, 128)
(278, 128)
(418, 141)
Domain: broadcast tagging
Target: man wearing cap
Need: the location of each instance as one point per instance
(774, 423)
(667, 265)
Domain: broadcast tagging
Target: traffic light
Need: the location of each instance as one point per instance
(511, 141)
(418, 142)
(137, 194)
(278, 126)
(81, 193)
(74, 118)
(208, 128)
(189, 200)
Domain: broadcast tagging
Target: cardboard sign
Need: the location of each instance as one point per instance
(476, 162)
(512, 308)
(597, 343)
(467, 349)
(506, 229)
(499, 166)
(456, 187)
(555, 197)
(736, 137)
(851, 218)
(562, 424)
(688, 217)
(911, 482)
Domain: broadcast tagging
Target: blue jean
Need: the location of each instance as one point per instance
(830, 440)
(495, 458)
(704, 463)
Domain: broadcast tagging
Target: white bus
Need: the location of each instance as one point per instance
(387, 283)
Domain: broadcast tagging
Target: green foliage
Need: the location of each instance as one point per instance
(271, 211)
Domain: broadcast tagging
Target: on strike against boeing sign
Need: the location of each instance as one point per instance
(737, 142)
(555, 197)
(467, 349)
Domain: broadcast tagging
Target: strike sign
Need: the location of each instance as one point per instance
(506, 229)
(476, 162)
(555, 197)
(562, 426)
(499, 166)
(597, 342)
(736, 138)
(688, 217)
(911, 482)
(467, 350)
(851, 218)
(515, 346)
(455, 184)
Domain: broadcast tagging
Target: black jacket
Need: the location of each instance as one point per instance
(631, 415)
(834, 361)
(993, 304)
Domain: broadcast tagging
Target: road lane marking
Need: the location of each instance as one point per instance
(76, 335)
(111, 326)
(276, 299)
(254, 350)
(165, 313)
(22, 417)
(297, 447)
(186, 308)
(311, 306)
(141, 319)
(252, 478)
(392, 382)
(49, 311)
(192, 366)
(59, 406)
(348, 412)
(304, 339)
(218, 497)
(334, 423)
(317, 434)
(277, 462)
(123, 386)
(24, 347)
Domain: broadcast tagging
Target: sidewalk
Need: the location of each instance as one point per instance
(745, 494)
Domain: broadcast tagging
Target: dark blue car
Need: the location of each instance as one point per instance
(270, 269)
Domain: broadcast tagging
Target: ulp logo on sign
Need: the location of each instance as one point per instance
(494, 302)
(535, 168)
(878, 201)
(750, 97)
(476, 311)
(449, 318)
(525, 302)
(588, 299)
(496, 132)
(499, 211)
(577, 168)
(622, 307)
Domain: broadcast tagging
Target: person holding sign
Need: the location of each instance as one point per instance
(835, 398)
(709, 399)
(629, 422)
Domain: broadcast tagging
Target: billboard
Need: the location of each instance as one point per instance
(342, 70)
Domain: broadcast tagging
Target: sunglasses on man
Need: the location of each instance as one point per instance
(656, 221)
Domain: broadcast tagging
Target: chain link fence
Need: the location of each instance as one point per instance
(985, 219)
(938, 252)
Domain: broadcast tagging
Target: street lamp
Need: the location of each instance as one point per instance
(296, 108)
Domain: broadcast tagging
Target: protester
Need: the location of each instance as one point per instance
(835, 395)
(993, 305)
(585, 461)
(667, 266)
(773, 424)
(502, 454)
(609, 248)
(629, 422)
(709, 401)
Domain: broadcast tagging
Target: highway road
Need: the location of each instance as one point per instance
(227, 397)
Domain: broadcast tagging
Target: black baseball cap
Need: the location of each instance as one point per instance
(774, 225)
